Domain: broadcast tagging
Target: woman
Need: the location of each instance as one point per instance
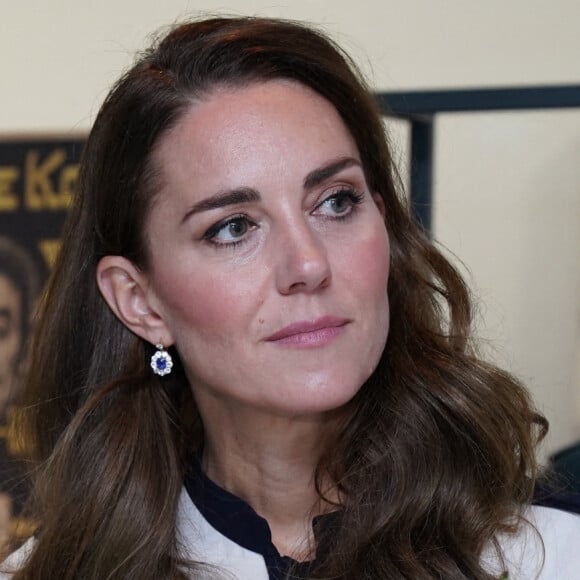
(224, 386)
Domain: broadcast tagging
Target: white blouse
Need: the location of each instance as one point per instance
(551, 551)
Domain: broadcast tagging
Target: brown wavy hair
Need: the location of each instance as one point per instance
(438, 453)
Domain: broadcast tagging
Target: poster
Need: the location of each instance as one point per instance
(37, 181)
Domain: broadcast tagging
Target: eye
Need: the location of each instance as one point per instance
(340, 204)
(229, 232)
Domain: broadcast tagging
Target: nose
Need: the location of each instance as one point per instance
(302, 261)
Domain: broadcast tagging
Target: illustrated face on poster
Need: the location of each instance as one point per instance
(19, 281)
(10, 332)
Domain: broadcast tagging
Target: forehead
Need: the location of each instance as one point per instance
(263, 129)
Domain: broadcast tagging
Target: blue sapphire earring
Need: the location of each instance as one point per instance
(161, 361)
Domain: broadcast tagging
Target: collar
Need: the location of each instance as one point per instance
(234, 518)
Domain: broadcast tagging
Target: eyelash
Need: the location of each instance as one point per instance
(346, 193)
(211, 234)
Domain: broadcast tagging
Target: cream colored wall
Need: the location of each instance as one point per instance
(507, 185)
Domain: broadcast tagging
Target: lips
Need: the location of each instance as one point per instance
(304, 328)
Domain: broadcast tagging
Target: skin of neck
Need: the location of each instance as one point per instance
(269, 461)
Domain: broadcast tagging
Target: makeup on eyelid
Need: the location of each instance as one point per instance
(352, 197)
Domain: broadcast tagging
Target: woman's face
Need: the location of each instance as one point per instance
(10, 330)
(269, 254)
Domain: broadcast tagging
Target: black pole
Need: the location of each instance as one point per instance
(407, 104)
(421, 193)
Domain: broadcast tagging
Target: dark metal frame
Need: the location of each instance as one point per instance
(421, 108)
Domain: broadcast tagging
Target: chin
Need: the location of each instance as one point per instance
(313, 397)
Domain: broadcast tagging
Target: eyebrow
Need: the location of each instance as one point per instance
(223, 199)
(327, 171)
(249, 195)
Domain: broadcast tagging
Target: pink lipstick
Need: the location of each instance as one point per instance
(310, 333)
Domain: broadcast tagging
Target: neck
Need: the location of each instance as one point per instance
(270, 462)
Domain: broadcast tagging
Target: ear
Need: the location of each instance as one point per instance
(125, 289)
(380, 203)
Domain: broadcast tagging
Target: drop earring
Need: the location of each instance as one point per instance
(161, 361)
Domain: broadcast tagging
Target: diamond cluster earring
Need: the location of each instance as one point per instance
(161, 361)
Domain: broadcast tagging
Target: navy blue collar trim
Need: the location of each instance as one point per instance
(237, 520)
(561, 499)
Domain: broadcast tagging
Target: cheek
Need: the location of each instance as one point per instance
(4, 362)
(366, 264)
(368, 279)
(206, 307)
(9, 351)
(378, 260)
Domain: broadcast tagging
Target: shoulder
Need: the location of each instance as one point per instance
(560, 533)
(546, 546)
(16, 560)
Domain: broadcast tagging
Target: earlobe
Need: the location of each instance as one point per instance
(124, 288)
